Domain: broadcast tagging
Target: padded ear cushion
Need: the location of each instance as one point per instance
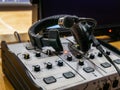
(82, 37)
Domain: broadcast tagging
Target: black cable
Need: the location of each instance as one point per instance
(97, 44)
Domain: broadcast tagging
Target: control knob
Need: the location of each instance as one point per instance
(69, 58)
(26, 56)
(81, 63)
(60, 63)
(92, 56)
(108, 52)
(78, 56)
(99, 54)
(37, 54)
(49, 65)
(37, 68)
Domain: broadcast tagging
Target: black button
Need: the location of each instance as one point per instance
(78, 56)
(108, 52)
(68, 75)
(26, 56)
(37, 68)
(49, 65)
(49, 80)
(60, 63)
(88, 69)
(105, 65)
(99, 54)
(117, 61)
(69, 58)
(38, 54)
(92, 56)
(81, 63)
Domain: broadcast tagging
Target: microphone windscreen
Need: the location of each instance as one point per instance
(68, 22)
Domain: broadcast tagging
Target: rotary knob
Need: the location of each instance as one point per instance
(37, 54)
(26, 56)
(108, 52)
(99, 54)
(37, 68)
(81, 63)
(60, 63)
(69, 58)
(49, 65)
(78, 56)
(92, 56)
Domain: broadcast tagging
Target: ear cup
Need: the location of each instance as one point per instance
(81, 37)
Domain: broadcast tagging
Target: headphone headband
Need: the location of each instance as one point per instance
(81, 28)
(40, 25)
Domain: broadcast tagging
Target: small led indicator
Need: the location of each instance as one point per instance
(65, 51)
(109, 30)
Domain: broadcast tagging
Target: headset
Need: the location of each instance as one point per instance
(81, 28)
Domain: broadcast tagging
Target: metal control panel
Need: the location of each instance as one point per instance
(51, 71)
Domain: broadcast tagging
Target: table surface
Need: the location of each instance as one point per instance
(19, 21)
(11, 21)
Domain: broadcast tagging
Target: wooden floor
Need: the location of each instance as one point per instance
(19, 21)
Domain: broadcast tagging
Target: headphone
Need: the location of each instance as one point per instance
(77, 25)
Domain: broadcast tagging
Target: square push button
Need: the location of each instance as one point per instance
(106, 65)
(117, 61)
(88, 69)
(49, 80)
(68, 75)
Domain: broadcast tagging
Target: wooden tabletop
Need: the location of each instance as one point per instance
(20, 21)
(11, 21)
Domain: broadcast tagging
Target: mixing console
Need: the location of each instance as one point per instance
(31, 68)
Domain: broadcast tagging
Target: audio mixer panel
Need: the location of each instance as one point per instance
(49, 71)
(50, 62)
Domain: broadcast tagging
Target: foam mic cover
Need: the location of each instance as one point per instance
(67, 21)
